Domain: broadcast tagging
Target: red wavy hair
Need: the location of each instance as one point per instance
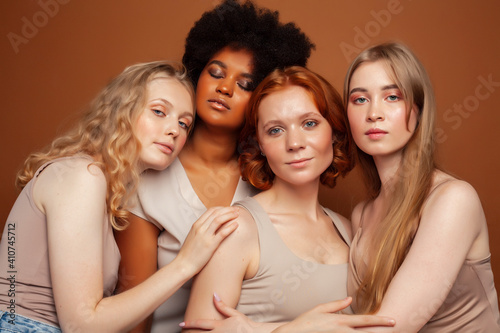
(253, 166)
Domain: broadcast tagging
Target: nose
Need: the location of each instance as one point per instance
(225, 87)
(172, 126)
(295, 139)
(375, 112)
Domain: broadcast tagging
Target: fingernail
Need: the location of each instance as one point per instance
(392, 322)
(217, 298)
(182, 324)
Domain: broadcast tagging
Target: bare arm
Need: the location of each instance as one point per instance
(225, 272)
(452, 229)
(74, 202)
(138, 246)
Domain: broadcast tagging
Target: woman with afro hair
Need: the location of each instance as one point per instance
(228, 51)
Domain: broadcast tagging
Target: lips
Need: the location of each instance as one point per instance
(375, 133)
(219, 104)
(166, 148)
(298, 163)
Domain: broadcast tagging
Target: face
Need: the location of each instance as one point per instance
(294, 136)
(377, 112)
(224, 88)
(162, 127)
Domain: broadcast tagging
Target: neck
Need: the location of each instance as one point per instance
(211, 146)
(387, 168)
(297, 200)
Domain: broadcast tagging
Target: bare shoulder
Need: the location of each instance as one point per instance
(79, 169)
(453, 202)
(74, 177)
(447, 189)
(247, 228)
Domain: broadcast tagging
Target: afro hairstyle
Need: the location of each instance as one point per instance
(242, 25)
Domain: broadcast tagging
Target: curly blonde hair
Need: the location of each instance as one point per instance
(106, 133)
(254, 166)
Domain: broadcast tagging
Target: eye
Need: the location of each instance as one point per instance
(360, 100)
(246, 85)
(216, 73)
(393, 98)
(310, 123)
(274, 131)
(158, 112)
(184, 125)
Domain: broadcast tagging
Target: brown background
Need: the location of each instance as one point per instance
(57, 54)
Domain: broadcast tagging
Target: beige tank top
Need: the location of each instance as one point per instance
(285, 285)
(32, 292)
(471, 305)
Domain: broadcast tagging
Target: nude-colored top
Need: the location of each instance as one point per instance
(471, 305)
(167, 199)
(29, 250)
(285, 285)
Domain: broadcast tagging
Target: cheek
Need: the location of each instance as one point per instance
(242, 102)
(181, 140)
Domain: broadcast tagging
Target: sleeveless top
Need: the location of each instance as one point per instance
(285, 285)
(167, 199)
(24, 240)
(470, 306)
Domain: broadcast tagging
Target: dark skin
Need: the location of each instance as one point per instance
(209, 159)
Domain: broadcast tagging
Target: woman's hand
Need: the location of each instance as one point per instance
(235, 321)
(324, 318)
(205, 236)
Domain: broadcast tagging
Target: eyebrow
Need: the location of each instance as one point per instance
(223, 65)
(170, 105)
(304, 116)
(387, 87)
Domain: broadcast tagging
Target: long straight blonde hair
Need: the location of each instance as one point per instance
(106, 133)
(394, 235)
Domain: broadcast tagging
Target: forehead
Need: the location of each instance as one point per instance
(372, 73)
(231, 58)
(171, 90)
(287, 103)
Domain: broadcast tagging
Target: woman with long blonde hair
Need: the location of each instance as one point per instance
(420, 253)
(59, 260)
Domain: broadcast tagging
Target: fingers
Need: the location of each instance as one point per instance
(224, 309)
(369, 320)
(203, 324)
(215, 217)
(335, 306)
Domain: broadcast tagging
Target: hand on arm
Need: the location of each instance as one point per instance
(322, 318)
(225, 272)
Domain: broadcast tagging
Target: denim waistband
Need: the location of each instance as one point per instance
(12, 322)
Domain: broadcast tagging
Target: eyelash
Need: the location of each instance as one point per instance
(276, 130)
(313, 122)
(184, 125)
(247, 86)
(158, 112)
